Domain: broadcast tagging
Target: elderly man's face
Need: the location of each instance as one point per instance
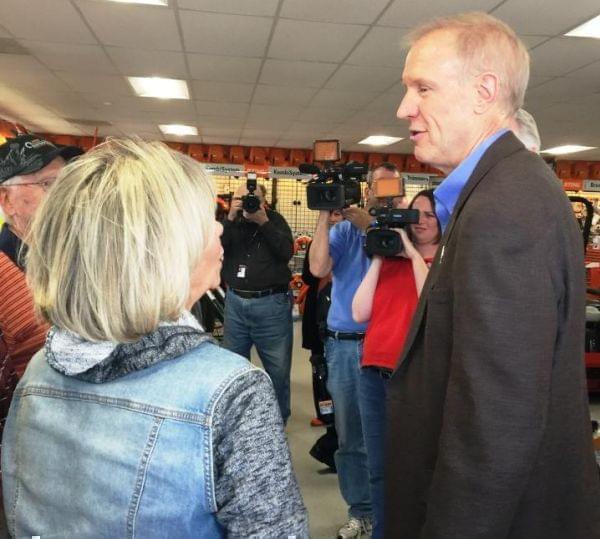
(439, 102)
(20, 200)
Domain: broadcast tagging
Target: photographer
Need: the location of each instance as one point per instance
(257, 248)
(341, 252)
(387, 299)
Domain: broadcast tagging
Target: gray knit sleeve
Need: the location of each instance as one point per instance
(256, 490)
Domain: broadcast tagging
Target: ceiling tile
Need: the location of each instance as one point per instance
(344, 11)
(263, 133)
(317, 41)
(373, 79)
(46, 20)
(126, 25)
(247, 7)
(387, 103)
(225, 108)
(533, 41)
(19, 62)
(287, 73)
(381, 47)
(342, 99)
(281, 95)
(222, 91)
(145, 63)
(4, 33)
(273, 123)
(563, 54)
(220, 140)
(223, 68)
(244, 35)
(71, 57)
(320, 114)
(32, 81)
(220, 132)
(87, 82)
(561, 90)
(589, 72)
(312, 127)
(283, 112)
(543, 17)
(409, 13)
(218, 122)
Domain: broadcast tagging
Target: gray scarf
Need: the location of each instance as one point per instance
(99, 362)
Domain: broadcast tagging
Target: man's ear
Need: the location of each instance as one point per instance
(5, 202)
(487, 87)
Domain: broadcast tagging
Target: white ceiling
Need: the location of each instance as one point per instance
(269, 72)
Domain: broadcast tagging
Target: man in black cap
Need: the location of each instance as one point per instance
(29, 165)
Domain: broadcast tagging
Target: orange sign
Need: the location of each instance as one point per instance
(261, 170)
(572, 184)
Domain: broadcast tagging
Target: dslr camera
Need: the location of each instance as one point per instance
(250, 202)
(336, 186)
(381, 239)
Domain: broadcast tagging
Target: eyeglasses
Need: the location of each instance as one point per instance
(44, 184)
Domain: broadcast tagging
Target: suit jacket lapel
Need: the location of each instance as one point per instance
(506, 145)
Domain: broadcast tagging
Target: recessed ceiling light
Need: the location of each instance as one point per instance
(380, 140)
(179, 130)
(158, 87)
(568, 148)
(148, 2)
(590, 28)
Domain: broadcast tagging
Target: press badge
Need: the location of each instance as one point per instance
(241, 272)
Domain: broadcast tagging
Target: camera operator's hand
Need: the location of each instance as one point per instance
(234, 208)
(359, 217)
(409, 250)
(259, 216)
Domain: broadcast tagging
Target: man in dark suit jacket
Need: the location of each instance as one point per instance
(488, 421)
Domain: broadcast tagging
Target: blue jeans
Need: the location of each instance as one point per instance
(266, 323)
(372, 392)
(343, 371)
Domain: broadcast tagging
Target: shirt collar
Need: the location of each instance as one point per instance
(12, 246)
(447, 193)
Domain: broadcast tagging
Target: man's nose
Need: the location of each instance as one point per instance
(407, 108)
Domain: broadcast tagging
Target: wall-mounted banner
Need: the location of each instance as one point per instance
(573, 184)
(591, 185)
(230, 169)
(218, 169)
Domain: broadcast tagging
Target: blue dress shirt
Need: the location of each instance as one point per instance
(447, 193)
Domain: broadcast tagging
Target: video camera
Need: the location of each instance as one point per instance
(382, 239)
(336, 186)
(250, 202)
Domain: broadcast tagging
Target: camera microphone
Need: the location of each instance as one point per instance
(307, 168)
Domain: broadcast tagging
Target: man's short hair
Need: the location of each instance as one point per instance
(112, 248)
(527, 130)
(387, 166)
(487, 44)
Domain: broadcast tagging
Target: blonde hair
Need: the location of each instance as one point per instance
(487, 44)
(112, 247)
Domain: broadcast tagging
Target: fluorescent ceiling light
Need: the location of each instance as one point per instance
(380, 140)
(158, 87)
(148, 2)
(180, 130)
(569, 148)
(590, 28)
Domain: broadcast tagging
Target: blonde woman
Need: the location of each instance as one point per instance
(132, 422)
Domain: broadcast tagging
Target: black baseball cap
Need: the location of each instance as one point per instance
(27, 154)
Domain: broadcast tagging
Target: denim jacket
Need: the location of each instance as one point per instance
(131, 437)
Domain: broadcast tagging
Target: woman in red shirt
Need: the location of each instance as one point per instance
(387, 298)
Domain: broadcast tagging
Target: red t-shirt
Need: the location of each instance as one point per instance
(394, 304)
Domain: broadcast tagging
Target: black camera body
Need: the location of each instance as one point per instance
(336, 186)
(250, 202)
(382, 240)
